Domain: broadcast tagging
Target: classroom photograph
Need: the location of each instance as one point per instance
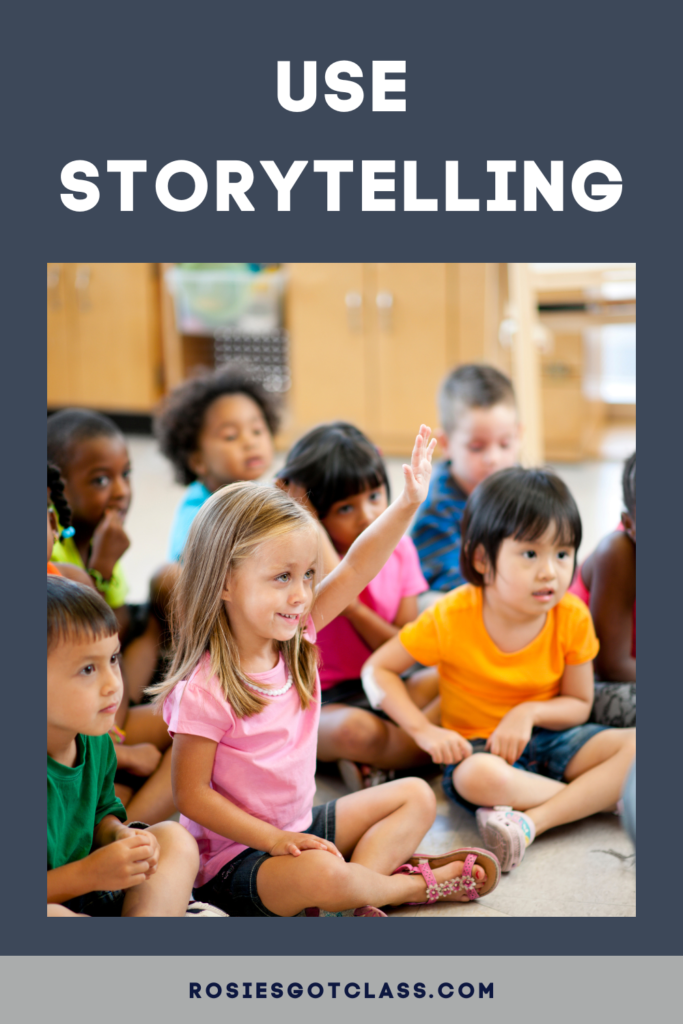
(341, 568)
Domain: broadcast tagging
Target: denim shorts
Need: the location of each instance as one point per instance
(548, 753)
(234, 890)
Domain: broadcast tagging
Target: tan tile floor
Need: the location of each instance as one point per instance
(581, 870)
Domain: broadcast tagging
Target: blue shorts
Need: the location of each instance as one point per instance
(548, 753)
(234, 890)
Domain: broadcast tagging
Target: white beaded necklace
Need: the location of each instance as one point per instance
(271, 692)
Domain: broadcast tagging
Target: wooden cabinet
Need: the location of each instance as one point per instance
(103, 339)
(371, 342)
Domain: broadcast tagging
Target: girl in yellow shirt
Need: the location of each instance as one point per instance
(515, 654)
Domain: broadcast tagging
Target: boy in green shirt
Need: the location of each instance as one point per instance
(97, 865)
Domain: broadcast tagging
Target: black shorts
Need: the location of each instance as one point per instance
(234, 890)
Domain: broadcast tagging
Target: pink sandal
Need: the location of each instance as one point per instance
(421, 864)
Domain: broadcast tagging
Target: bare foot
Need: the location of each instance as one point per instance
(454, 870)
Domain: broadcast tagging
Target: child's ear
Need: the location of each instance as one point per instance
(196, 464)
(629, 524)
(226, 594)
(480, 561)
(442, 438)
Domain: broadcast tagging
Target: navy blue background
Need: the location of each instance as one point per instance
(495, 80)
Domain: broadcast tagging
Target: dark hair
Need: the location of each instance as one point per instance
(333, 462)
(181, 417)
(473, 386)
(69, 426)
(519, 503)
(628, 484)
(55, 486)
(76, 613)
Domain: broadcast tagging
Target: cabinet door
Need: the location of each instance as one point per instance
(326, 316)
(117, 334)
(408, 350)
(62, 361)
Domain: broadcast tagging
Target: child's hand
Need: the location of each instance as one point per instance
(126, 862)
(149, 838)
(512, 734)
(418, 474)
(292, 844)
(109, 541)
(444, 746)
(139, 758)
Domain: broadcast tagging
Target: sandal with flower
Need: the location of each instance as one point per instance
(464, 884)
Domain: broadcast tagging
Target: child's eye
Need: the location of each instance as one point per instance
(529, 554)
(100, 481)
(282, 578)
(564, 554)
(116, 658)
(475, 447)
(344, 509)
(310, 574)
(375, 496)
(88, 670)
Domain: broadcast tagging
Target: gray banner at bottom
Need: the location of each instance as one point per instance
(378, 989)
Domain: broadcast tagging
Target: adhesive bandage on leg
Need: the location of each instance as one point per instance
(373, 691)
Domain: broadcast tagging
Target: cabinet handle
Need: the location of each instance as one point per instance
(53, 291)
(354, 306)
(82, 285)
(385, 305)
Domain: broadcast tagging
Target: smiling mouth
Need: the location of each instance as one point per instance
(544, 595)
(289, 618)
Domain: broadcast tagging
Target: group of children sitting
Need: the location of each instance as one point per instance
(301, 623)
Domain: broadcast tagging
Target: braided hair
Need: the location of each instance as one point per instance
(56, 488)
(628, 484)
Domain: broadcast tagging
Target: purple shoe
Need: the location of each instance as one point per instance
(507, 833)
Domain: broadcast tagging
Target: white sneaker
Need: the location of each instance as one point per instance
(197, 909)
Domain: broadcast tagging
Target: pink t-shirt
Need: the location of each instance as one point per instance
(342, 651)
(264, 764)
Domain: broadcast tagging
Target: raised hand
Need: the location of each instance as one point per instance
(417, 475)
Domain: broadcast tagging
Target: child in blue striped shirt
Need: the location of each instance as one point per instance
(480, 433)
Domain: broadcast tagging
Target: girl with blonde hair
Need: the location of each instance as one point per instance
(242, 702)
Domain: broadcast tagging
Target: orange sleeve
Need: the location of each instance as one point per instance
(421, 639)
(52, 569)
(580, 642)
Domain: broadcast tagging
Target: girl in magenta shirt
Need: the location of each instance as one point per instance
(242, 703)
(345, 481)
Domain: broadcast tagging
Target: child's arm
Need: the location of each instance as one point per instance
(572, 707)
(384, 687)
(369, 552)
(372, 628)
(193, 759)
(613, 591)
(122, 857)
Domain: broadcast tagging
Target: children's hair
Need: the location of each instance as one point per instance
(66, 428)
(226, 531)
(55, 486)
(333, 462)
(179, 423)
(76, 613)
(472, 386)
(628, 484)
(519, 503)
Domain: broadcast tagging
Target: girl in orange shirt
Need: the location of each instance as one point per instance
(515, 655)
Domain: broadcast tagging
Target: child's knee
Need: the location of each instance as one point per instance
(418, 794)
(362, 732)
(476, 775)
(174, 838)
(325, 869)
